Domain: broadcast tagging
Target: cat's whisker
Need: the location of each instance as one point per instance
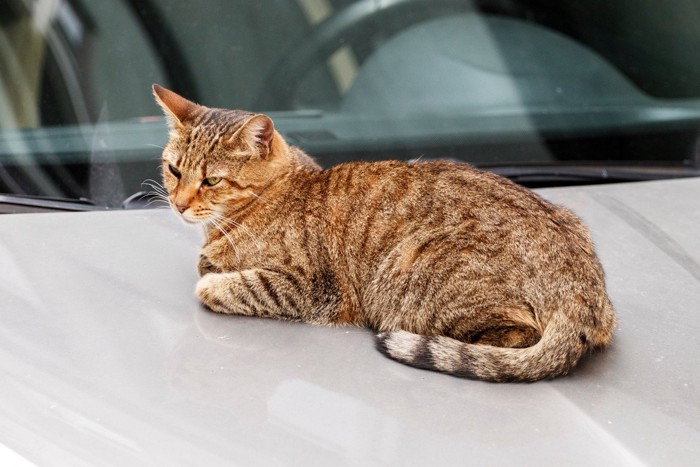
(244, 229)
(157, 192)
(228, 237)
(150, 180)
(157, 199)
(155, 186)
(160, 194)
(157, 195)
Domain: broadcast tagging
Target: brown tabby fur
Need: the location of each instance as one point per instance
(460, 271)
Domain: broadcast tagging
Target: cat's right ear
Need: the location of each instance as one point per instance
(177, 109)
(257, 133)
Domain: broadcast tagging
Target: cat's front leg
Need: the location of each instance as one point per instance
(252, 292)
(204, 266)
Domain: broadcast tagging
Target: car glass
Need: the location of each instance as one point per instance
(543, 93)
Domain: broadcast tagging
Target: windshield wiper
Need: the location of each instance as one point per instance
(12, 203)
(554, 175)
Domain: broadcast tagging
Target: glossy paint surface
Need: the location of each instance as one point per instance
(106, 358)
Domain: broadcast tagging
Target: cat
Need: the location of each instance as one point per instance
(458, 270)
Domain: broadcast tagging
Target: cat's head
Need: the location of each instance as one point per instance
(217, 161)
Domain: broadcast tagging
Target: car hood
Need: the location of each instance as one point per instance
(107, 358)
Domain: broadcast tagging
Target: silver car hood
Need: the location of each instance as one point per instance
(108, 359)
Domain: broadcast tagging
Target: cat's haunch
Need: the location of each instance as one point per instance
(460, 271)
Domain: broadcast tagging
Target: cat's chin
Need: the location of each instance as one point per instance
(191, 219)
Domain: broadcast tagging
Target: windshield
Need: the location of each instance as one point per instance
(543, 92)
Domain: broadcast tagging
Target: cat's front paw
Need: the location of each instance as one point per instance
(209, 291)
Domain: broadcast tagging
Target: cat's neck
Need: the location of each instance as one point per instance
(295, 157)
(299, 159)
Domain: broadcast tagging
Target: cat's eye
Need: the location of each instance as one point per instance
(176, 173)
(211, 181)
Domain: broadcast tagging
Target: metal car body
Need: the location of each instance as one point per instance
(108, 359)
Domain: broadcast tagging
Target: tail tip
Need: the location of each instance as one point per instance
(405, 347)
(382, 344)
(399, 345)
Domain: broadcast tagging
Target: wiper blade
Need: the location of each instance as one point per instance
(12, 203)
(565, 174)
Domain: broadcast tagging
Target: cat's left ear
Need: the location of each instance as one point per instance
(177, 109)
(258, 133)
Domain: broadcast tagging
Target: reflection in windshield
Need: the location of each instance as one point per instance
(515, 86)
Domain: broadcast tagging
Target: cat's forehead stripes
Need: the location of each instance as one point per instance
(211, 122)
(206, 130)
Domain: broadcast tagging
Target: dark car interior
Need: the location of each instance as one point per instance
(545, 93)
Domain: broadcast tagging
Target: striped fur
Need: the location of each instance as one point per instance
(460, 271)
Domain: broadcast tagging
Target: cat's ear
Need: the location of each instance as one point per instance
(177, 109)
(257, 133)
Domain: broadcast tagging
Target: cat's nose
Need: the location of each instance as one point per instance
(181, 207)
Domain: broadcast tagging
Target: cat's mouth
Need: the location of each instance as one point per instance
(191, 216)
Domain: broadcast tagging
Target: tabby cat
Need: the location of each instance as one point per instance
(459, 271)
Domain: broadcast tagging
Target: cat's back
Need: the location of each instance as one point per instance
(441, 192)
(369, 207)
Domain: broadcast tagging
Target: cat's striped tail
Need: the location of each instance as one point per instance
(559, 349)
